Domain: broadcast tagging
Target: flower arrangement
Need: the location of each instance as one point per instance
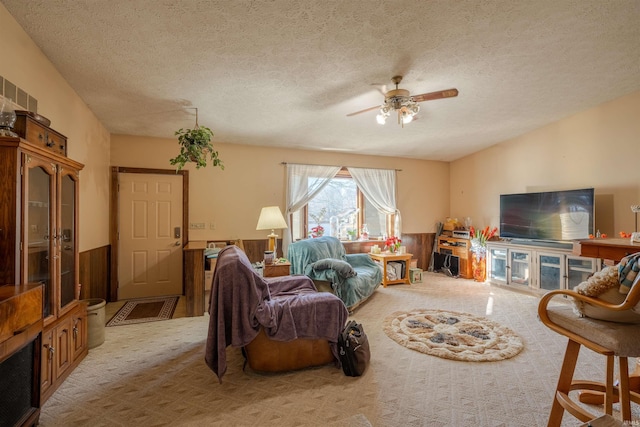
(393, 243)
(317, 231)
(479, 249)
(480, 237)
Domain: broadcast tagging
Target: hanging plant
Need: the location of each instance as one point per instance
(196, 147)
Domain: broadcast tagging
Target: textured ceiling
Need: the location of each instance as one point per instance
(286, 73)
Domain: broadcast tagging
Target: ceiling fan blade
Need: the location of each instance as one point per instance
(380, 87)
(449, 93)
(363, 111)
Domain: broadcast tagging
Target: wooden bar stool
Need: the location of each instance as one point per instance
(610, 339)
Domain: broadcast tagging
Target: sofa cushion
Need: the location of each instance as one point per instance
(341, 267)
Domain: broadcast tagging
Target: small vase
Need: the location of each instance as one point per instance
(7, 118)
(479, 266)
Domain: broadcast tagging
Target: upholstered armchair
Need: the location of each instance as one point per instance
(613, 330)
(282, 323)
(351, 277)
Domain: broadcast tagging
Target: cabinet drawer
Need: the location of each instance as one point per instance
(461, 252)
(458, 251)
(612, 253)
(19, 308)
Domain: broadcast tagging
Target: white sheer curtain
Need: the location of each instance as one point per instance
(303, 183)
(379, 187)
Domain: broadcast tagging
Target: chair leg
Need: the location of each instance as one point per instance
(564, 382)
(625, 404)
(608, 384)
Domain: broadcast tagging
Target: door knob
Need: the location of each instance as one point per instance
(177, 243)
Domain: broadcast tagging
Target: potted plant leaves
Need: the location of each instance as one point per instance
(196, 147)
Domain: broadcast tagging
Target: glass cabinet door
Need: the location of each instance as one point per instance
(497, 264)
(550, 271)
(39, 219)
(578, 270)
(67, 238)
(520, 265)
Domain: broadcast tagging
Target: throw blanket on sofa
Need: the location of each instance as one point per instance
(627, 272)
(353, 277)
(286, 307)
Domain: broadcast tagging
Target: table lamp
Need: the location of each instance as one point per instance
(270, 219)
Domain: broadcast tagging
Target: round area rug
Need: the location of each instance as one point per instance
(452, 335)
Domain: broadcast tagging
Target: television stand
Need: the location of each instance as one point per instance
(543, 243)
(534, 267)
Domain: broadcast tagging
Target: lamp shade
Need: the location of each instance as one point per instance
(271, 218)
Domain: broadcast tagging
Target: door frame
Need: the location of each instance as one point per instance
(114, 223)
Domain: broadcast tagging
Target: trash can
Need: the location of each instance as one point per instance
(95, 321)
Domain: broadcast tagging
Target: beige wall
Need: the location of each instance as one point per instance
(597, 148)
(88, 141)
(254, 177)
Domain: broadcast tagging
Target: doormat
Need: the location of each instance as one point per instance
(144, 310)
(453, 335)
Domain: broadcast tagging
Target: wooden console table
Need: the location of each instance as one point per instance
(611, 250)
(384, 258)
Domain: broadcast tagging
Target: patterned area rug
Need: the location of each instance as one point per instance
(452, 335)
(144, 310)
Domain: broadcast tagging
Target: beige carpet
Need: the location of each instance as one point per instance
(452, 335)
(153, 374)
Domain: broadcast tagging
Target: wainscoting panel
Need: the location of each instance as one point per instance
(421, 246)
(255, 249)
(95, 273)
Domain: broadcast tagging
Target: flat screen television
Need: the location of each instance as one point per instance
(551, 215)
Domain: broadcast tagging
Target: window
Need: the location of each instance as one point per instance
(341, 210)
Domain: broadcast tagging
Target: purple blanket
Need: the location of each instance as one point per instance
(286, 307)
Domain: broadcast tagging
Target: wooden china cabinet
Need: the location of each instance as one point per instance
(39, 190)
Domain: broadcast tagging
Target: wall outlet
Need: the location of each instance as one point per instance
(212, 226)
(196, 225)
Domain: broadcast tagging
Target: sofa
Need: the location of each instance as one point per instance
(282, 323)
(351, 277)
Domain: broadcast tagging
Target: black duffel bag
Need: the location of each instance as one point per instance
(353, 348)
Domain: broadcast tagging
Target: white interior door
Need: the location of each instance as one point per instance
(150, 235)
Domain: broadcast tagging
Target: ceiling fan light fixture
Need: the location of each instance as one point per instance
(385, 112)
(406, 107)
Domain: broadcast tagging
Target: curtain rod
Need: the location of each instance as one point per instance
(307, 164)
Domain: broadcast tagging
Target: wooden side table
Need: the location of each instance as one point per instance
(277, 269)
(384, 258)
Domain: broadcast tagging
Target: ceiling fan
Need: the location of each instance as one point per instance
(406, 105)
